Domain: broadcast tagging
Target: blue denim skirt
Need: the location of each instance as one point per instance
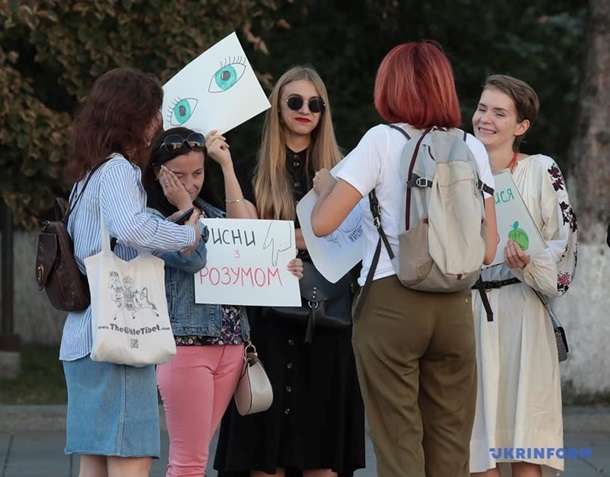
(112, 409)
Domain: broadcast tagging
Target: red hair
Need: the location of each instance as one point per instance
(415, 85)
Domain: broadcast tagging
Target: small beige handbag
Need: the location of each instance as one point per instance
(254, 393)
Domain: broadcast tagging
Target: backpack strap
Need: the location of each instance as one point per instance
(67, 213)
(481, 185)
(485, 188)
(413, 180)
(60, 207)
(398, 128)
(410, 176)
(376, 212)
(417, 181)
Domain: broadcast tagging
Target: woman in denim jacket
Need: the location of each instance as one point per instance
(198, 383)
(187, 317)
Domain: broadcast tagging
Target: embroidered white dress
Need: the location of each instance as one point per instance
(519, 390)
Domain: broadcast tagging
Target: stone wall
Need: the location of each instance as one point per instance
(584, 312)
(35, 320)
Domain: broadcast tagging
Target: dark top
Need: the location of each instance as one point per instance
(316, 420)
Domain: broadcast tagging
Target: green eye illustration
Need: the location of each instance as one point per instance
(228, 75)
(181, 111)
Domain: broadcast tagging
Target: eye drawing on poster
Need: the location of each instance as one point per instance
(193, 97)
(227, 75)
(181, 110)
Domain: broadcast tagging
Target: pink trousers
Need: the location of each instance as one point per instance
(196, 386)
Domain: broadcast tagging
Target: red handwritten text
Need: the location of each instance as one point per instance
(245, 277)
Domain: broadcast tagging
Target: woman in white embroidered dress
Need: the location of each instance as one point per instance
(519, 390)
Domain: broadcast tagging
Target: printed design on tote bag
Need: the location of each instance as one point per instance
(128, 298)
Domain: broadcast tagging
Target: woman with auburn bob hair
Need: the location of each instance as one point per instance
(415, 351)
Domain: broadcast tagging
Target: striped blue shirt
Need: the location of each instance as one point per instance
(116, 191)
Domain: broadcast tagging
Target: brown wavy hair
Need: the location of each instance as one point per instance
(272, 184)
(114, 117)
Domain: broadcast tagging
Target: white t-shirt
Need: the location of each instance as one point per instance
(375, 163)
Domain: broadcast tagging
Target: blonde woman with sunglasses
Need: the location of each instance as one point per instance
(315, 427)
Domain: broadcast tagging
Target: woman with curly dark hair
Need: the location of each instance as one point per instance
(113, 413)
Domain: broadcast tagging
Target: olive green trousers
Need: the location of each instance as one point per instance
(416, 361)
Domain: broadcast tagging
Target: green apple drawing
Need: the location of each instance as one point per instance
(519, 236)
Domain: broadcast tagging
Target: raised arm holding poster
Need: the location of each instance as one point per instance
(335, 254)
(247, 263)
(217, 90)
(513, 218)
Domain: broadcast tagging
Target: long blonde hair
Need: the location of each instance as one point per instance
(272, 183)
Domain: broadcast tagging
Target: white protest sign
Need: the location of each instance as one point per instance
(335, 254)
(247, 263)
(513, 218)
(217, 90)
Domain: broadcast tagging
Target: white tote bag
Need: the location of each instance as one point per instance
(129, 317)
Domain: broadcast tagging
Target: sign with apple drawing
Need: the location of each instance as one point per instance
(513, 219)
(519, 236)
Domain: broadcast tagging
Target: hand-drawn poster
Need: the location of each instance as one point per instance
(513, 218)
(217, 90)
(335, 254)
(247, 263)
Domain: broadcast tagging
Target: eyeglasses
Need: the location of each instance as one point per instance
(315, 105)
(173, 142)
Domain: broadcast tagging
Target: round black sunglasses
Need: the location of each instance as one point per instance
(315, 105)
(173, 142)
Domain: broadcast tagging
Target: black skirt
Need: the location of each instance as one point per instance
(316, 420)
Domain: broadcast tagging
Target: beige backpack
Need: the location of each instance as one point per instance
(443, 243)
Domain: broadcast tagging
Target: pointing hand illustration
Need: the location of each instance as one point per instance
(279, 239)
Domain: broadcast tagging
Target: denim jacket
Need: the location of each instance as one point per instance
(187, 317)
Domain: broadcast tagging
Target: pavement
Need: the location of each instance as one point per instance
(32, 441)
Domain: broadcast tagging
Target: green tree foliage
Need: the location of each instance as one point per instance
(539, 42)
(52, 50)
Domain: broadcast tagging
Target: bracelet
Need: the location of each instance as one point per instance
(234, 201)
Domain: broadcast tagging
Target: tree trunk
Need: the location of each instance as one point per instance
(590, 147)
(584, 312)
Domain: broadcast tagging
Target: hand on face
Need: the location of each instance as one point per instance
(323, 182)
(217, 148)
(514, 257)
(173, 189)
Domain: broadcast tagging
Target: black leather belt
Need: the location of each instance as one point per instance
(484, 286)
(496, 283)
